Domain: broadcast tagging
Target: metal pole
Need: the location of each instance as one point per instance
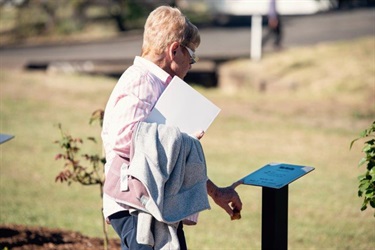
(256, 37)
(275, 218)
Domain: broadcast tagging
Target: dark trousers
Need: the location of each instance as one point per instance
(275, 33)
(125, 226)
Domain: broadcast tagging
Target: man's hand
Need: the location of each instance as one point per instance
(227, 198)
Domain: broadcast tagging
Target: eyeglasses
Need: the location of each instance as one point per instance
(193, 57)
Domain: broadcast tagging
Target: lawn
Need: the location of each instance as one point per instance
(317, 100)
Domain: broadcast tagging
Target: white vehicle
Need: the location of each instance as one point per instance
(224, 9)
(284, 7)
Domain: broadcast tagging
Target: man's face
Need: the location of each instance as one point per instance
(182, 61)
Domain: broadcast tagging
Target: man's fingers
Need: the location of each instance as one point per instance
(228, 199)
(236, 203)
(224, 205)
(228, 210)
(236, 200)
(199, 134)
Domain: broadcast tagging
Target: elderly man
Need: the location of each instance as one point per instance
(168, 50)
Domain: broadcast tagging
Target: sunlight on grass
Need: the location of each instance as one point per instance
(312, 124)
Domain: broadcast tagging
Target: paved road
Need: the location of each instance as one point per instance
(216, 42)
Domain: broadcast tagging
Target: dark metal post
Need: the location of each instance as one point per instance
(275, 218)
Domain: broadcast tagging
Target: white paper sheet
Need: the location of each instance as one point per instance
(182, 106)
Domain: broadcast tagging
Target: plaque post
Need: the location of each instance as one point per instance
(274, 178)
(275, 218)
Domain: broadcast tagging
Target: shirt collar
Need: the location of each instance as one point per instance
(154, 69)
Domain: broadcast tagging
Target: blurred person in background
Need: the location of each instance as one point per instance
(274, 26)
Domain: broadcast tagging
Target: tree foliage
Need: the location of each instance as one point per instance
(64, 17)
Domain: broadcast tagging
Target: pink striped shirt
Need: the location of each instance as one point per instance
(130, 102)
(132, 99)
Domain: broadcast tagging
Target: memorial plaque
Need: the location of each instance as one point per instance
(276, 175)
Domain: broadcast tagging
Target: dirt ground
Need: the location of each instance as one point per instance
(20, 237)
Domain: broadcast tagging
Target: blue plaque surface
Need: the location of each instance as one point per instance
(276, 175)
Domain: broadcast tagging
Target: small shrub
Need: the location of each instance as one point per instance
(366, 188)
(91, 173)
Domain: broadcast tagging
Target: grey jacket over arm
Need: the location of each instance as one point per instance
(171, 167)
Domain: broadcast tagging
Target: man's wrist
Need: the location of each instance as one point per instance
(211, 188)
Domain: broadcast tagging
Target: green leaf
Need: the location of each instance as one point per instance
(371, 172)
(351, 144)
(372, 203)
(362, 161)
(371, 142)
(364, 206)
(361, 177)
(359, 193)
(367, 148)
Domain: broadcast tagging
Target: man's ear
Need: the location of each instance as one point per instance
(172, 49)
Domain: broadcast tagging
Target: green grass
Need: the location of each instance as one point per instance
(312, 124)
